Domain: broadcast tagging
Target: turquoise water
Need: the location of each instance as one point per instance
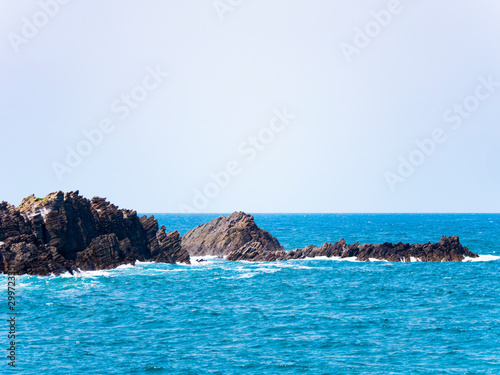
(297, 317)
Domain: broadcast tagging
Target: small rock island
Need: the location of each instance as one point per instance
(65, 232)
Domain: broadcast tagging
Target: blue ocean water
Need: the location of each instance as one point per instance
(296, 317)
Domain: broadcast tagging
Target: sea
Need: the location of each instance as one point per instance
(311, 316)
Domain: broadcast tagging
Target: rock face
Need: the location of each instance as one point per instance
(67, 232)
(448, 249)
(224, 235)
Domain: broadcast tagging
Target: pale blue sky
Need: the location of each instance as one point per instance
(231, 68)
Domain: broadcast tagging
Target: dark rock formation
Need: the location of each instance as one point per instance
(224, 235)
(238, 238)
(170, 248)
(66, 232)
(448, 249)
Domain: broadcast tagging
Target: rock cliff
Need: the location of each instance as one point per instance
(65, 232)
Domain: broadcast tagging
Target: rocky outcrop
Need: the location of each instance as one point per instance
(224, 235)
(448, 249)
(65, 232)
(238, 238)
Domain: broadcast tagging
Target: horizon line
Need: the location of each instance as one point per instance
(323, 213)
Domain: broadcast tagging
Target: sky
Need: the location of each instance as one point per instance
(259, 106)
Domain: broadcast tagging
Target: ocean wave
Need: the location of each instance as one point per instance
(98, 273)
(246, 275)
(89, 274)
(213, 262)
(124, 266)
(482, 258)
(268, 270)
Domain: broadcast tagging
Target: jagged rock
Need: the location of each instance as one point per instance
(103, 253)
(448, 249)
(64, 231)
(251, 251)
(172, 242)
(223, 235)
(12, 223)
(239, 238)
(21, 255)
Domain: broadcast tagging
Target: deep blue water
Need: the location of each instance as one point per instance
(297, 317)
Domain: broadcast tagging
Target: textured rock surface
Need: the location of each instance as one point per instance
(226, 234)
(448, 249)
(65, 231)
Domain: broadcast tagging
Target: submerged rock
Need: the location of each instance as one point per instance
(65, 232)
(224, 235)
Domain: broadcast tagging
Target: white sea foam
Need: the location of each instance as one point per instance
(482, 258)
(246, 275)
(243, 269)
(124, 266)
(88, 274)
(65, 274)
(378, 260)
(268, 270)
(320, 258)
(92, 274)
(413, 259)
